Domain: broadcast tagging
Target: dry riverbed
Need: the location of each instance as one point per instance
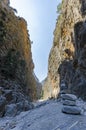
(46, 115)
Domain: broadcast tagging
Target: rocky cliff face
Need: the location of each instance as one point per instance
(17, 80)
(67, 57)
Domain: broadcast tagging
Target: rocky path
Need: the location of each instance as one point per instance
(46, 116)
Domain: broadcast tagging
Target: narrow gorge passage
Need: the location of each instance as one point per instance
(65, 84)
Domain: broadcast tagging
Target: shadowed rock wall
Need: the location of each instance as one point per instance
(18, 83)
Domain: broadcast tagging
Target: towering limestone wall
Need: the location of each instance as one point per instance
(66, 53)
(16, 64)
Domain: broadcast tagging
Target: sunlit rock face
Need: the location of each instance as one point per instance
(65, 55)
(16, 64)
(6, 2)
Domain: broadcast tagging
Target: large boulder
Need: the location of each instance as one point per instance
(69, 97)
(71, 110)
(10, 110)
(69, 103)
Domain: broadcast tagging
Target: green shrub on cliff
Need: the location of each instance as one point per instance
(59, 7)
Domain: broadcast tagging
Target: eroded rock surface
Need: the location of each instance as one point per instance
(66, 64)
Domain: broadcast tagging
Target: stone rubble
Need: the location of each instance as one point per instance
(70, 104)
(47, 116)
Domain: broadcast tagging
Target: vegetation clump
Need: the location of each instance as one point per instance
(59, 7)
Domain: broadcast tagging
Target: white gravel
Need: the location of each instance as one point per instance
(46, 116)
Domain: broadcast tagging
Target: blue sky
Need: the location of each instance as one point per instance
(41, 19)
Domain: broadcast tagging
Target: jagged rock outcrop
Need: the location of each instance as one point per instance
(67, 56)
(17, 80)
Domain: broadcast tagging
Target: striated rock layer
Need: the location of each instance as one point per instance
(17, 79)
(67, 66)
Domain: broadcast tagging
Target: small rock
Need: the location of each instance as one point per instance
(71, 110)
(24, 106)
(69, 103)
(63, 86)
(11, 110)
(69, 97)
(63, 92)
(8, 95)
(27, 106)
(20, 107)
